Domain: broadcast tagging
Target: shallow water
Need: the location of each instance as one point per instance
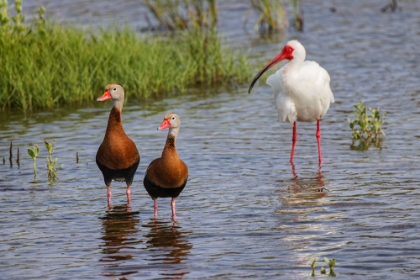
(245, 212)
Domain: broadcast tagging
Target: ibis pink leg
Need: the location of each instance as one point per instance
(173, 209)
(128, 192)
(109, 195)
(155, 208)
(318, 138)
(294, 139)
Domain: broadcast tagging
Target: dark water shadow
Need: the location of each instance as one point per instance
(170, 248)
(119, 225)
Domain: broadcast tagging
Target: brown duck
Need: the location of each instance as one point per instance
(117, 157)
(167, 176)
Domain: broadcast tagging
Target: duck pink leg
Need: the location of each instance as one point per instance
(128, 192)
(294, 139)
(155, 208)
(173, 209)
(318, 138)
(109, 195)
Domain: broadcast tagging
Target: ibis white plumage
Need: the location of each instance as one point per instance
(301, 90)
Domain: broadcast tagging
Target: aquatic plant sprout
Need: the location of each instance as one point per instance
(51, 163)
(33, 153)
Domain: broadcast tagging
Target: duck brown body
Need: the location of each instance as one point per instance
(167, 176)
(117, 156)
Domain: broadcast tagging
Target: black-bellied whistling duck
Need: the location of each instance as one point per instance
(167, 176)
(117, 157)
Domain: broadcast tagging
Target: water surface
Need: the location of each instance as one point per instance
(245, 212)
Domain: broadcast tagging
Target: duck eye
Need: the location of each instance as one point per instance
(173, 117)
(114, 89)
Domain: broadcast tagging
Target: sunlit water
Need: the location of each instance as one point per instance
(245, 212)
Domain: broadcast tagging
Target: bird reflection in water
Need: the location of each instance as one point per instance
(170, 247)
(118, 224)
(305, 191)
(310, 183)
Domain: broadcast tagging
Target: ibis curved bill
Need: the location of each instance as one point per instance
(301, 90)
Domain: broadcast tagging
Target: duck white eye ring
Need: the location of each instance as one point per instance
(114, 89)
(173, 118)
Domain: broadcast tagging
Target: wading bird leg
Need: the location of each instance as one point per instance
(294, 139)
(318, 138)
(155, 208)
(109, 195)
(173, 209)
(128, 192)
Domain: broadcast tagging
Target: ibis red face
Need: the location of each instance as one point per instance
(165, 124)
(105, 96)
(286, 53)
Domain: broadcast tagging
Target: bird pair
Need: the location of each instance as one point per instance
(118, 157)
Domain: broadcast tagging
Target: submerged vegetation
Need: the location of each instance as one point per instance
(45, 64)
(330, 263)
(366, 129)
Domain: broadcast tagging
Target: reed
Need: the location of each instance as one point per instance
(46, 65)
(273, 16)
(184, 14)
(297, 16)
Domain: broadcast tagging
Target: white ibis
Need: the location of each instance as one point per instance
(301, 90)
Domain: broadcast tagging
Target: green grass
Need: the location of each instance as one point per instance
(46, 65)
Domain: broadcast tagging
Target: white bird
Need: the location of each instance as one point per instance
(301, 90)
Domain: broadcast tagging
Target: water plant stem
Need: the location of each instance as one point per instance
(11, 154)
(18, 157)
(51, 163)
(34, 152)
